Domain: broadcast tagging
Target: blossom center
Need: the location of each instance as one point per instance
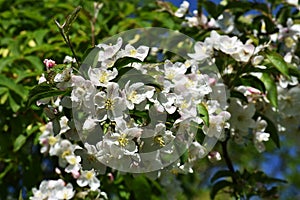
(52, 140)
(123, 141)
(72, 161)
(109, 104)
(89, 175)
(66, 153)
(103, 77)
(132, 52)
(159, 140)
(132, 96)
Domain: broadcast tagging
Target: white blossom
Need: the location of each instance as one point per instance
(73, 163)
(202, 51)
(136, 93)
(241, 115)
(100, 77)
(108, 51)
(83, 92)
(88, 178)
(109, 104)
(184, 6)
(65, 192)
(140, 53)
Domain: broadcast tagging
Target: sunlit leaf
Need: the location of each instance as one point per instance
(278, 62)
(19, 142)
(270, 88)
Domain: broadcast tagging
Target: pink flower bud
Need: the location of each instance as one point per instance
(49, 63)
(75, 174)
(111, 177)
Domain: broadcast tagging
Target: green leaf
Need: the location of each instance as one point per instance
(270, 88)
(133, 75)
(56, 126)
(141, 188)
(9, 83)
(14, 106)
(238, 6)
(203, 112)
(278, 62)
(270, 26)
(6, 62)
(252, 81)
(43, 91)
(125, 61)
(36, 62)
(294, 71)
(219, 186)
(221, 174)
(263, 178)
(39, 35)
(213, 9)
(3, 90)
(239, 95)
(7, 169)
(91, 57)
(283, 14)
(19, 142)
(4, 98)
(261, 7)
(20, 195)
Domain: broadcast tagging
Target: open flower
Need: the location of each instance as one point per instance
(140, 53)
(108, 51)
(88, 177)
(202, 51)
(100, 77)
(66, 192)
(109, 104)
(122, 139)
(229, 45)
(74, 163)
(136, 93)
(83, 92)
(241, 115)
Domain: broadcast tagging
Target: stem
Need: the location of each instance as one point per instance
(230, 165)
(67, 41)
(93, 32)
(225, 152)
(226, 156)
(73, 52)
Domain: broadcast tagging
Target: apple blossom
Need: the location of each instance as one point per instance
(88, 178)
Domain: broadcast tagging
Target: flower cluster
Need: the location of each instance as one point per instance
(129, 123)
(53, 189)
(228, 45)
(138, 116)
(104, 101)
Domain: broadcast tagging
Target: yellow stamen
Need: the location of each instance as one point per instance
(123, 141)
(160, 140)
